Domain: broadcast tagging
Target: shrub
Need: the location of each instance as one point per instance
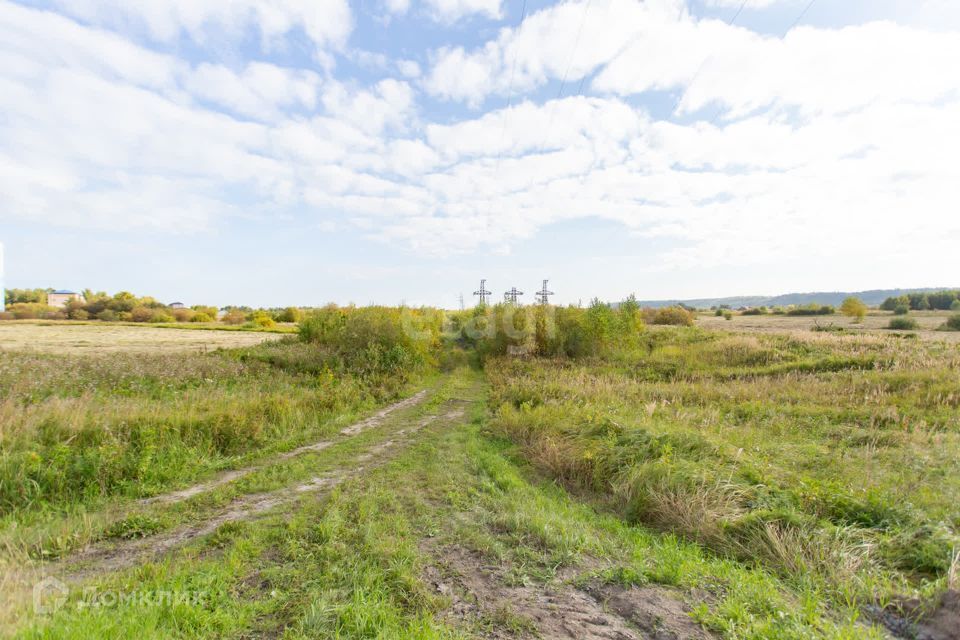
(755, 311)
(263, 320)
(902, 324)
(29, 310)
(718, 312)
(235, 316)
(290, 314)
(812, 310)
(955, 306)
(375, 340)
(158, 315)
(78, 314)
(107, 315)
(200, 316)
(211, 312)
(141, 314)
(673, 316)
(183, 315)
(901, 310)
(953, 323)
(854, 308)
(728, 315)
(6, 315)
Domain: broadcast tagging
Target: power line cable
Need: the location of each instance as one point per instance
(563, 82)
(513, 71)
(713, 120)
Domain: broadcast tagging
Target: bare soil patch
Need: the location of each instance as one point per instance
(908, 619)
(480, 597)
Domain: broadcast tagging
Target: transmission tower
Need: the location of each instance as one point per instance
(483, 293)
(543, 295)
(511, 296)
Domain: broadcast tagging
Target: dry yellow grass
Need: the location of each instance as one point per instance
(90, 338)
(875, 322)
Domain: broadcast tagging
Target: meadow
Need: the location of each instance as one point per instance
(71, 338)
(557, 473)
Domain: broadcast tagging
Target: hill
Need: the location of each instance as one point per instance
(872, 297)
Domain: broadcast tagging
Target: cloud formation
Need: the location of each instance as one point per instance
(816, 144)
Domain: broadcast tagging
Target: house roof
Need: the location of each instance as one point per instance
(65, 292)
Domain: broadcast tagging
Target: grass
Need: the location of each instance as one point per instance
(781, 483)
(79, 430)
(351, 565)
(64, 337)
(831, 459)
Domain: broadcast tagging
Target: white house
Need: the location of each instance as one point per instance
(59, 299)
(177, 305)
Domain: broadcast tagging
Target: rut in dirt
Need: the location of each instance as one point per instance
(230, 476)
(479, 594)
(112, 556)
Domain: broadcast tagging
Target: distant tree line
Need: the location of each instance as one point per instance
(940, 300)
(31, 304)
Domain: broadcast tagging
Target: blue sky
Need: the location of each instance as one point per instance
(306, 151)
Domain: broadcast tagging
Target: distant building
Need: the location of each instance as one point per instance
(177, 305)
(59, 299)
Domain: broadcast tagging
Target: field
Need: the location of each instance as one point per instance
(874, 322)
(63, 337)
(727, 480)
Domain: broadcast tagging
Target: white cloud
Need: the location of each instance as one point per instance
(100, 132)
(453, 10)
(389, 103)
(259, 91)
(397, 7)
(326, 22)
(409, 68)
(749, 4)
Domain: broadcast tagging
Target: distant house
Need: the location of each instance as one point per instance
(59, 299)
(177, 305)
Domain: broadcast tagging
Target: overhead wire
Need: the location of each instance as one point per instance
(513, 71)
(806, 8)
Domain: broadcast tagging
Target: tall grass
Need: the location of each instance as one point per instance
(832, 460)
(78, 429)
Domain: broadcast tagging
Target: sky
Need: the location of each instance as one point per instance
(298, 152)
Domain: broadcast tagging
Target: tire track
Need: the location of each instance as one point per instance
(100, 558)
(230, 476)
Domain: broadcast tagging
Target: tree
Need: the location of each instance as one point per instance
(854, 308)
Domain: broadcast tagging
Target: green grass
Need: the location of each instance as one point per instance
(832, 460)
(82, 429)
(350, 565)
(781, 483)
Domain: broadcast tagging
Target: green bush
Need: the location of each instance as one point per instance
(200, 316)
(953, 323)
(183, 315)
(673, 316)
(141, 314)
(234, 317)
(159, 316)
(107, 315)
(812, 310)
(263, 321)
(902, 324)
(728, 315)
(955, 306)
(375, 340)
(901, 310)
